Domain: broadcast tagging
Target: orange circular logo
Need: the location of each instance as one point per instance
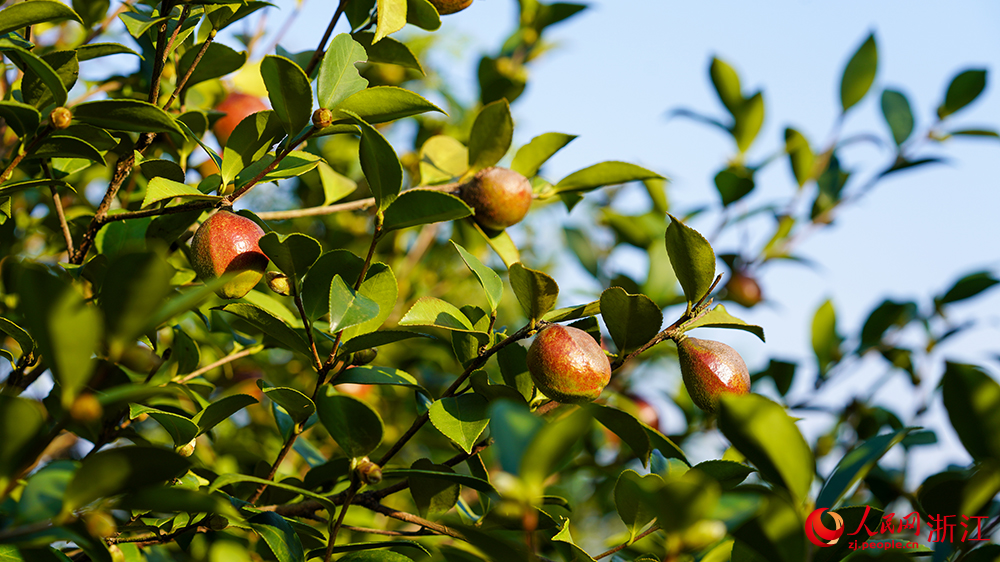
(818, 534)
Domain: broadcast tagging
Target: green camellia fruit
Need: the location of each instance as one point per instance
(567, 365)
(711, 368)
(445, 7)
(227, 243)
(500, 197)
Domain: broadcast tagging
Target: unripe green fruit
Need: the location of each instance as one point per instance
(500, 197)
(743, 290)
(60, 118)
(279, 283)
(445, 7)
(710, 369)
(218, 523)
(187, 449)
(567, 365)
(228, 243)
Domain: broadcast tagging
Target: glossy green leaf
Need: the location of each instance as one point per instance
(66, 328)
(897, 113)
(297, 405)
(461, 418)
(378, 339)
(120, 470)
(963, 90)
(967, 287)
(972, 399)
(21, 420)
(249, 141)
(173, 499)
(43, 79)
(380, 286)
(269, 324)
(66, 147)
(463, 479)
(289, 91)
(134, 288)
(682, 501)
(220, 410)
(718, 317)
(600, 175)
(335, 185)
(97, 50)
(380, 164)
(38, 90)
(126, 115)
(536, 291)
(692, 259)
(294, 164)
(553, 446)
(566, 538)
(825, 338)
(293, 253)
(387, 51)
(442, 159)
(25, 14)
(353, 424)
(727, 84)
(279, 536)
(629, 490)
(372, 556)
(423, 14)
(855, 466)
(665, 446)
(513, 360)
(774, 533)
(21, 117)
(349, 308)
(887, 315)
(632, 320)
(767, 437)
(391, 18)
(180, 428)
(370, 374)
(431, 311)
(232, 478)
(138, 23)
(501, 243)
(338, 75)
(728, 474)
(748, 121)
(800, 156)
(218, 61)
(42, 497)
(163, 189)
(573, 312)
(491, 135)
(734, 183)
(629, 429)
(433, 496)
(859, 74)
(382, 104)
(513, 427)
(490, 281)
(416, 207)
(18, 334)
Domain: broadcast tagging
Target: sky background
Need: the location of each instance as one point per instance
(622, 65)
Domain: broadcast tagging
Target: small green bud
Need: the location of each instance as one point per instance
(279, 283)
(322, 118)
(60, 118)
(186, 450)
(368, 472)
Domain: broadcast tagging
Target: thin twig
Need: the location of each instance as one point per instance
(274, 467)
(410, 518)
(318, 53)
(370, 531)
(57, 203)
(277, 160)
(227, 359)
(340, 520)
(358, 205)
(9, 170)
(107, 21)
(187, 75)
(161, 52)
(642, 535)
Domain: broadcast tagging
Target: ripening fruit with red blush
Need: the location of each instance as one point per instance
(445, 7)
(499, 197)
(710, 369)
(228, 243)
(568, 365)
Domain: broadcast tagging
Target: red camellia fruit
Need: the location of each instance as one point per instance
(227, 243)
(710, 369)
(568, 365)
(236, 107)
(743, 290)
(500, 197)
(445, 7)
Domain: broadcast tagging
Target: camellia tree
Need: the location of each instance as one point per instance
(188, 381)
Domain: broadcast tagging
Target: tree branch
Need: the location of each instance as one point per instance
(57, 203)
(318, 53)
(227, 359)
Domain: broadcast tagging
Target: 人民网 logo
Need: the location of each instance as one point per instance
(818, 534)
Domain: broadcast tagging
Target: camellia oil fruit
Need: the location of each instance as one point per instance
(445, 7)
(228, 243)
(568, 365)
(710, 369)
(500, 197)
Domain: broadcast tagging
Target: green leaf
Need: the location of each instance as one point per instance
(388, 51)
(491, 282)
(42, 497)
(369, 556)
(600, 175)
(335, 186)
(218, 61)
(967, 287)
(180, 428)
(294, 164)
(897, 113)
(349, 308)
(692, 258)
(461, 418)
(718, 317)
(423, 14)
(433, 496)
(748, 120)
(825, 339)
(220, 410)
(855, 466)
(38, 90)
(727, 85)
(338, 77)
(66, 147)
(353, 424)
(391, 18)
(269, 324)
(465, 480)
(491, 135)
(18, 334)
(293, 253)
(629, 491)
(513, 427)
(729, 474)
(135, 286)
(249, 141)
(66, 328)
(138, 23)
(41, 73)
(415, 207)
(963, 90)
(859, 73)
(513, 360)
(24, 14)
(800, 156)
(289, 91)
(535, 290)
(162, 189)
(369, 374)
(378, 339)
(553, 446)
(232, 478)
(98, 50)
(564, 536)
(767, 437)
(530, 157)
(627, 428)
(501, 243)
(775, 533)
(632, 320)
(118, 470)
(734, 183)
(431, 311)
(886, 315)
(21, 117)
(442, 159)
(972, 399)
(682, 501)
(380, 164)
(573, 312)
(279, 536)
(172, 499)
(21, 421)
(126, 115)
(298, 406)
(382, 104)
